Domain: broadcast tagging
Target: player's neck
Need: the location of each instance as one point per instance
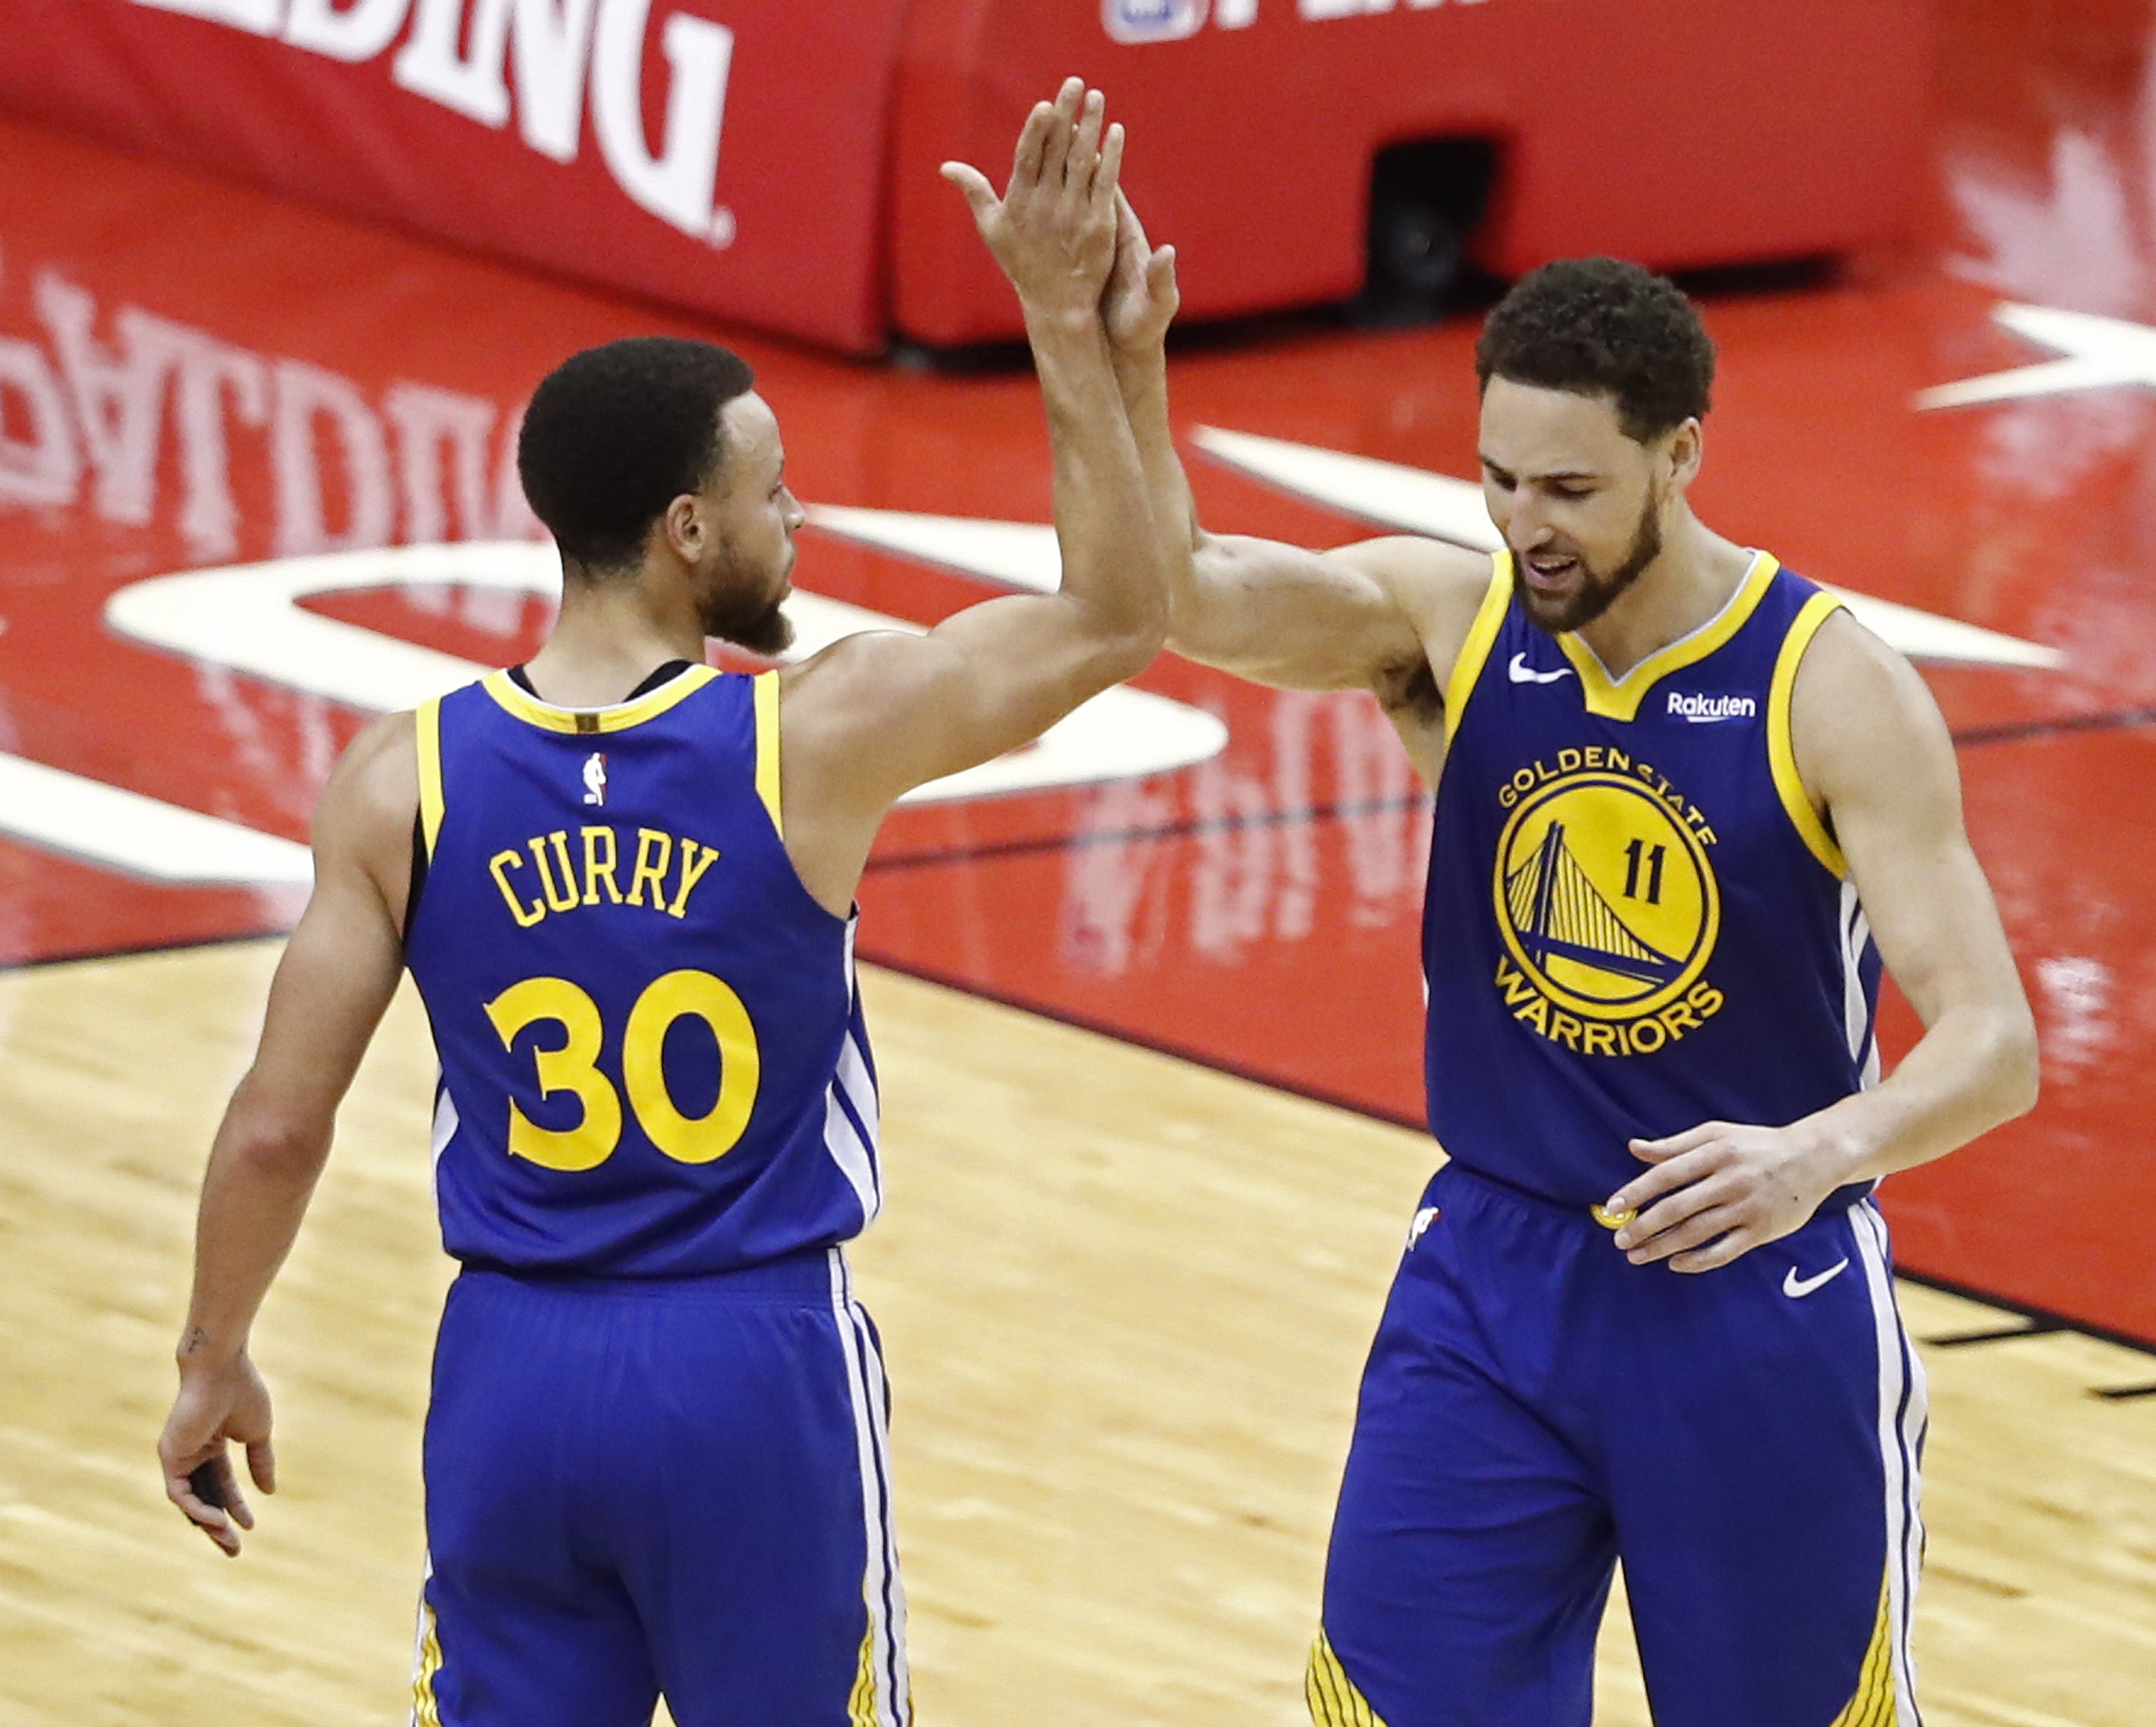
(1696, 574)
(610, 636)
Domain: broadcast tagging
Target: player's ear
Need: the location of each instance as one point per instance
(1687, 444)
(687, 532)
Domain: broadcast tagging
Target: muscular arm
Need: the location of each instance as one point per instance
(1386, 615)
(1871, 743)
(331, 987)
(876, 714)
(1878, 761)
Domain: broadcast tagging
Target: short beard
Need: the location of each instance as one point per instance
(736, 613)
(1597, 592)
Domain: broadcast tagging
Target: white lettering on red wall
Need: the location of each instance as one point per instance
(545, 62)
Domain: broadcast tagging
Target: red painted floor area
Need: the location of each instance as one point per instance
(248, 381)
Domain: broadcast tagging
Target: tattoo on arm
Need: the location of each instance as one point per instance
(198, 1339)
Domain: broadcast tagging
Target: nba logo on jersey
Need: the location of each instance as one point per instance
(595, 778)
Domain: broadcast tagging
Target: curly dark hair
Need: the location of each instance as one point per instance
(1599, 327)
(614, 434)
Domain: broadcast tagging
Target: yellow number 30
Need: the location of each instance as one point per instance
(573, 1068)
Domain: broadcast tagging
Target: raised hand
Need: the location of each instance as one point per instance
(1053, 231)
(1142, 297)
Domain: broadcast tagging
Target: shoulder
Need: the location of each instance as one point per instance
(1849, 677)
(1439, 588)
(1861, 715)
(373, 793)
(1420, 576)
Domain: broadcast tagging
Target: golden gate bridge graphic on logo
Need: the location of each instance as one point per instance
(1559, 913)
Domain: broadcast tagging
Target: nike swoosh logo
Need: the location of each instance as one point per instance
(1796, 1288)
(1522, 673)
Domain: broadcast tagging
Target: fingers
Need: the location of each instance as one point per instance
(1692, 1138)
(262, 1464)
(1160, 276)
(1717, 1255)
(1713, 1216)
(980, 194)
(1085, 154)
(198, 1493)
(1028, 160)
(1642, 1190)
(1105, 172)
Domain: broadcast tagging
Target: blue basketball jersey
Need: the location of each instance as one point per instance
(653, 1062)
(1635, 921)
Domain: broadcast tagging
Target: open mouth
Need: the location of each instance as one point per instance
(1550, 569)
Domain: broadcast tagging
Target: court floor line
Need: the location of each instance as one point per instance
(2017, 731)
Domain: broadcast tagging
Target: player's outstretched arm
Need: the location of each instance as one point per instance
(876, 714)
(1876, 756)
(336, 976)
(1372, 616)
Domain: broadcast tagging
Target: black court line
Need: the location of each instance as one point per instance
(2036, 1321)
(1962, 1339)
(2019, 731)
(184, 945)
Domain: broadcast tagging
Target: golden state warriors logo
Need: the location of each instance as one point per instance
(1606, 900)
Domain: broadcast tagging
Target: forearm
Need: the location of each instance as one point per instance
(1142, 379)
(1113, 557)
(1974, 1068)
(260, 1177)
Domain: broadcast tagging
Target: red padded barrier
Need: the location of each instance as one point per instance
(775, 162)
(726, 156)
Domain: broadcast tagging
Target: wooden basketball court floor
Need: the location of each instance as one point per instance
(1124, 1300)
(1128, 1273)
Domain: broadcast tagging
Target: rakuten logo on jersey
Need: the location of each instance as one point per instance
(459, 54)
(1707, 709)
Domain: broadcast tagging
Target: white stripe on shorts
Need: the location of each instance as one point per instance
(1903, 1411)
(881, 1589)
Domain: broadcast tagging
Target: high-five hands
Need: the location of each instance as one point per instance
(1142, 297)
(1054, 229)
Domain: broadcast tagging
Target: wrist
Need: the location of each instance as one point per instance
(1842, 1153)
(200, 1351)
(1141, 367)
(1062, 321)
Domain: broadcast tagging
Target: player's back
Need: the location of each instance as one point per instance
(653, 1059)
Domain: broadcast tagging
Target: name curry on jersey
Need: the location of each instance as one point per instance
(553, 872)
(1606, 902)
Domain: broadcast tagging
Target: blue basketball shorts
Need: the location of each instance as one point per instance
(675, 1486)
(1536, 1408)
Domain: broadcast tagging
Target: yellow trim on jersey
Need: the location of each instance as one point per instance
(1475, 650)
(504, 690)
(766, 747)
(1333, 1699)
(426, 722)
(1781, 740)
(861, 1706)
(1619, 698)
(1874, 1703)
(426, 1711)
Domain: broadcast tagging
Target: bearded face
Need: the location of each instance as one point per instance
(744, 601)
(1587, 591)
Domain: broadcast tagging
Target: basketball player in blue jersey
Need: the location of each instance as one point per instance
(623, 882)
(1684, 803)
